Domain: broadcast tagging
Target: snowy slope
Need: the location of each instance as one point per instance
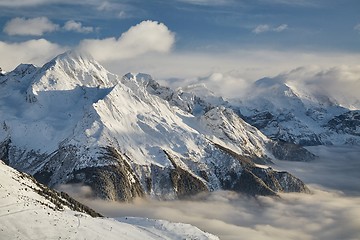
(25, 213)
(72, 121)
(285, 111)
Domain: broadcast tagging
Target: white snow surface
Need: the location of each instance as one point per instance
(72, 100)
(24, 214)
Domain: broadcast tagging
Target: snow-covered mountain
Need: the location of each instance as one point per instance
(288, 112)
(71, 121)
(30, 210)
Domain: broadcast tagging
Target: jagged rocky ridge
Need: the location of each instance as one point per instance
(280, 109)
(71, 121)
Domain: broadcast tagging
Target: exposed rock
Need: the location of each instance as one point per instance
(290, 152)
(280, 181)
(348, 123)
(250, 184)
(184, 183)
(254, 180)
(110, 182)
(115, 181)
(4, 150)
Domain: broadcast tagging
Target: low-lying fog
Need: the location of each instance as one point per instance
(331, 212)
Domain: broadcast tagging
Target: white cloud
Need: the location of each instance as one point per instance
(280, 28)
(243, 65)
(147, 36)
(357, 27)
(231, 74)
(261, 28)
(266, 28)
(120, 10)
(321, 215)
(34, 51)
(105, 6)
(341, 83)
(72, 25)
(207, 2)
(32, 26)
(123, 15)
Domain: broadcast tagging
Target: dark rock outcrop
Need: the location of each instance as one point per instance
(348, 123)
(254, 180)
(290, 152)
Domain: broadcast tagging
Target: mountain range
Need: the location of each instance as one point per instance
(285, 111)
(71, 121)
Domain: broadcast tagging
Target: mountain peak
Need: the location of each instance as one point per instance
(74, 53)
(74, 56)
(268, 82)
(139, 82)
(70, 70)
(72, 60)
(21, 71)
(141, 78)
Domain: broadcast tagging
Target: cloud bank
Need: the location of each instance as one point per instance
(33, 51)
(41, 25)
(32, 26)
(326, 214)
(147, 36)
(231, 75)
(341, 83)
(321, 216)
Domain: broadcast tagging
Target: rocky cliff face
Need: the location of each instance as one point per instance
(128, 137)
(346, 123)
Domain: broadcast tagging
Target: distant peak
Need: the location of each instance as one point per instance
(139, 79)
(24, 69)
(269, 82)
(138, 76)
(199, 89)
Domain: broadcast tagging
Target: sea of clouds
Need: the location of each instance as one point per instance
(331, 212)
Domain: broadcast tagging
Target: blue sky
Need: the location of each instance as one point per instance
(190, 38)
(312, 25)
